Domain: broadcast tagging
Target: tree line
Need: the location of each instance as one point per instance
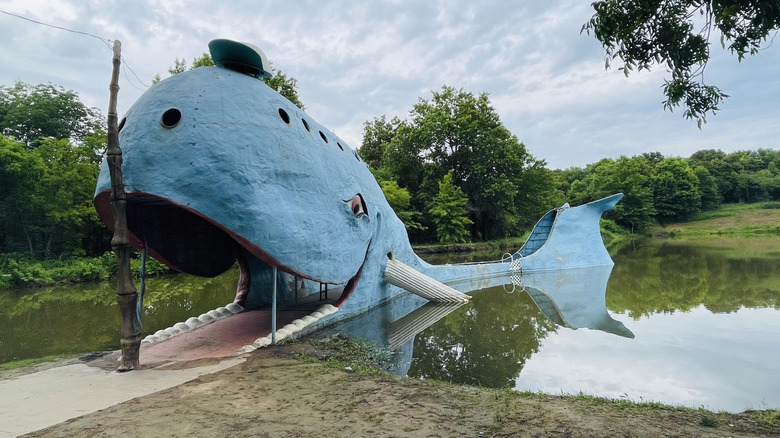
(451, 170)
(455, 173)
(660, 189)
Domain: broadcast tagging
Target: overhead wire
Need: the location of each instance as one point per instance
(108, 42)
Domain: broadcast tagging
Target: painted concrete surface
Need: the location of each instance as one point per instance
(222, 338)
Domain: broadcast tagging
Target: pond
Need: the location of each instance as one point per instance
(85, 317)
(695, 324)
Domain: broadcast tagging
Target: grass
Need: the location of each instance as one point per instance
(506, 243)
(730, 220)
(27, 362)
(768, 418)
(358, 356)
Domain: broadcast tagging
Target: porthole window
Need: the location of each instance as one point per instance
(340, 147)
(325, 139)
(170, 118)
(121, 124)
(357, 157)
(306, 125)
(285, 117)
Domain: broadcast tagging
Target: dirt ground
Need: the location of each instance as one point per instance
(286, 391)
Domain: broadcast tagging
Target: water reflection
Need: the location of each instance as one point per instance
(574, 298)
(651, 278)
(85, 317)
(706, 319)
(487, 341)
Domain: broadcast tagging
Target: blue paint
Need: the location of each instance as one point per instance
(219, 167)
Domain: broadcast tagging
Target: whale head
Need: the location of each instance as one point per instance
(216, 164)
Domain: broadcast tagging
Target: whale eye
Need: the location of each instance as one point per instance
(358, 206)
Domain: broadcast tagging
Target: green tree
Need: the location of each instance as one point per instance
(31, 112)
(398, 199)
(285, 85)
(462, 131)
(567, 176)
(377, 135)
(676, 194)
(204, 61)
(710, 199)
(448, 212)
(722, 169)
(19, 172)
(47, 197)
(632, 177)
(676, 34)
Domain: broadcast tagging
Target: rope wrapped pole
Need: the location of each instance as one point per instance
(126, 294)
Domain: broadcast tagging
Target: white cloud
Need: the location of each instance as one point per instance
(357, 61)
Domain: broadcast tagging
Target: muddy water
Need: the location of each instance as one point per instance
(85, 317)
(696, 324)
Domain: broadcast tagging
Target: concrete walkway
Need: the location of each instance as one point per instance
(39, 400)
(34, 401)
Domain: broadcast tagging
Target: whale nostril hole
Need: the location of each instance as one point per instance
(170, 118)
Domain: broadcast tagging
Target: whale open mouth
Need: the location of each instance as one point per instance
(187, 241)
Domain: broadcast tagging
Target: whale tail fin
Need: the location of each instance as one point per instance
(567, 237)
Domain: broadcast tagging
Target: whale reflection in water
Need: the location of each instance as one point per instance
(571, 298)
(574, 298)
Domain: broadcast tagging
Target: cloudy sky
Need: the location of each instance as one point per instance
(355, 61)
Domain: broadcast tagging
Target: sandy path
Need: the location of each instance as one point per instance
(35, 400)
(273, 394)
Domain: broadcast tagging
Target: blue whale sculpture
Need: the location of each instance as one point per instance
(219, 168)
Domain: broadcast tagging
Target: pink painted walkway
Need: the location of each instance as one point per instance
(219, 339)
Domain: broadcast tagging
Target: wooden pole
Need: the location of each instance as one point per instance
(126, 294)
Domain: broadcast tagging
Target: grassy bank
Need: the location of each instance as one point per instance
(731, 220)
(506, 244)
(20, 270)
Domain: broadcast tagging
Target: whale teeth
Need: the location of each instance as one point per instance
(205, 318)
(193, 322)
(290, 329)
(234, 308)
(246, 349)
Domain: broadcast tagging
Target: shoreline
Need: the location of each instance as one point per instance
(309, 387)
